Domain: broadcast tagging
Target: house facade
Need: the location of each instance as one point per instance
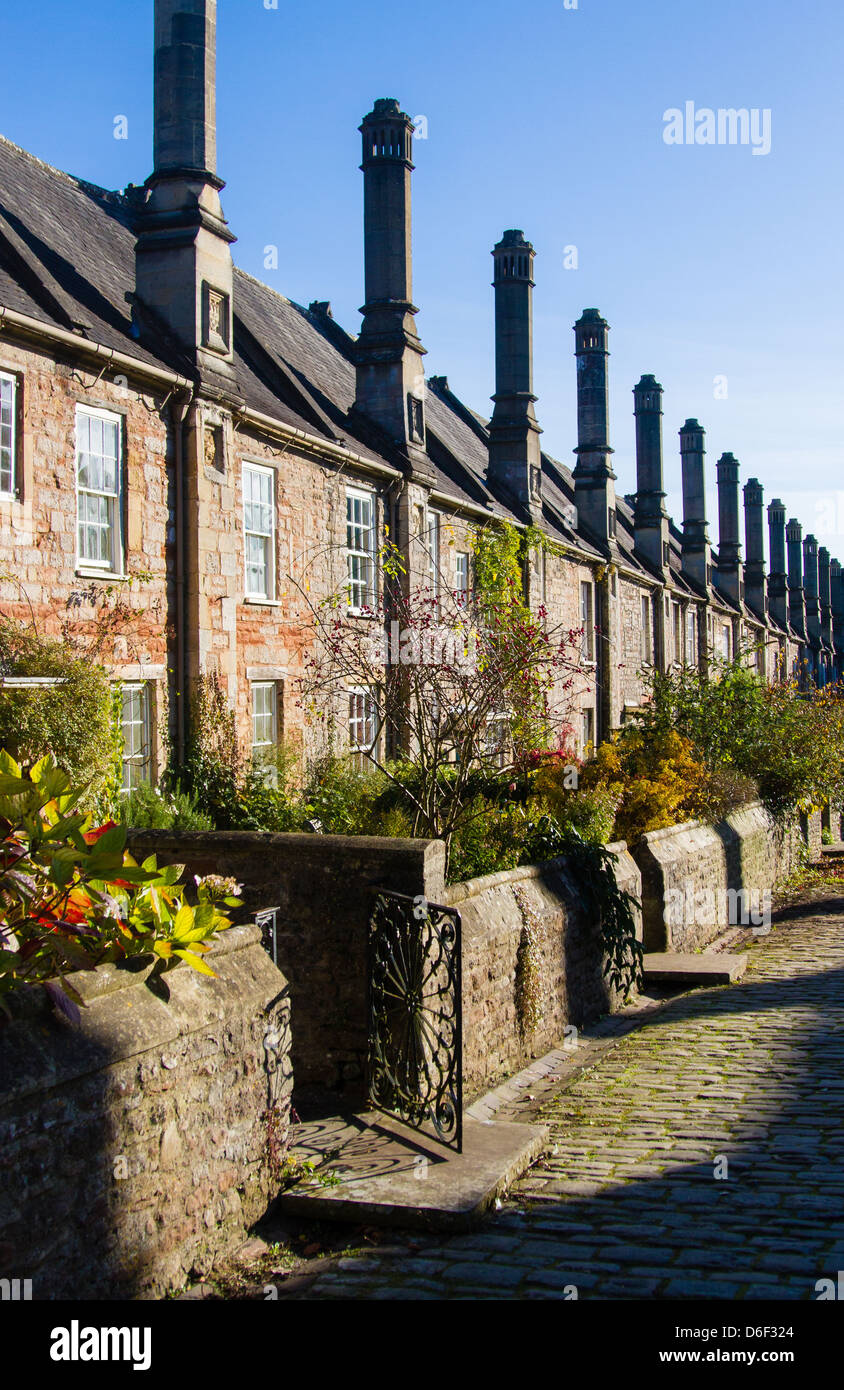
(178, 435)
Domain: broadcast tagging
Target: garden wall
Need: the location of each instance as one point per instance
(133, 1145)
(689, 870)
(571, 986)
(324, 886)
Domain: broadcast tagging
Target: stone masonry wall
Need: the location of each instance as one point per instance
(572, 986)
(133, 1146)
(324, 887)
(698, 865)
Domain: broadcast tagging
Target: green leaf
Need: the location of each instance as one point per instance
(196, 963)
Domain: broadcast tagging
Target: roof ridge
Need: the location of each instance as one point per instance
(111, 193)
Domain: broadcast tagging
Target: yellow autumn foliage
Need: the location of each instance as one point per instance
(657, 779)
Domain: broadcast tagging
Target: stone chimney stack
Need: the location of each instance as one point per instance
(796, 604)
(836, 585)
(594, 480)
(810, 590)
(755, 585)
(514, 455)
(730, 576)
(183, 263)
(390, 381)
(650, 522)
(696, 550)
(777, 580)
(825, 595)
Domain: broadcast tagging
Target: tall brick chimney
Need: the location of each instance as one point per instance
(755, 585)
(696, 550)
(650, 520)
(390, 381)
(514, 453)
(183, 263)
(796, 603)
(729, 571)
(594, 480)
(778, 578)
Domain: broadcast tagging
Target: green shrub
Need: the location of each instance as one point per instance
(789, 741)
(488, 839)
(76, 720)
(146, 808)
(343, 798)
(261, 805)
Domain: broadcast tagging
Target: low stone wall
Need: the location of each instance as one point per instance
(572, 987)
(689, 872)
(324, 886)
(133, 1145)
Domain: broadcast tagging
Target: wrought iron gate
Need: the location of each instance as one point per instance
(416, 1015)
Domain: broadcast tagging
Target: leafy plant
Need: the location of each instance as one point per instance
(71, 897)
(147, 808)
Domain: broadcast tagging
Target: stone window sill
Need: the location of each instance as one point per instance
(101, 574)
(255, 602)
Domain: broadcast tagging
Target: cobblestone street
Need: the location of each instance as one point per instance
(698, 1157)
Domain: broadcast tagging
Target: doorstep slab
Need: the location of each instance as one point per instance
(686, 968)
(386, 1173)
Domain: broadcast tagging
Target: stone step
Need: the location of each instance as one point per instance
(686, 968)
(385, 1173)
(833, 851)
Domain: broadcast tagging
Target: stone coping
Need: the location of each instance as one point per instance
(473, 887)
(652, 837)
(269, 839)
(30, 1001)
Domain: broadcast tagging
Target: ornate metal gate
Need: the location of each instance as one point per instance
(415, 1014)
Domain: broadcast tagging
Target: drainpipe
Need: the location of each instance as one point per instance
(179, 409)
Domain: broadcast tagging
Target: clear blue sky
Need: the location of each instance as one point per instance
(707, 260)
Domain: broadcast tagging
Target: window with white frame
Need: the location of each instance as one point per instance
(434, 552)
(259, 530)
(677, 624)
(647, 638)
(587, 620)
(99, 489)
(360, 548)
(725, 635)
(136, 728)
(462, 587)
(363, 725)
(264, 723)
(8, 434)
(691, 636)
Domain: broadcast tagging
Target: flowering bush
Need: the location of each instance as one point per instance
(71, 897)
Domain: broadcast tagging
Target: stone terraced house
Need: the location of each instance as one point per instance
(174, 431)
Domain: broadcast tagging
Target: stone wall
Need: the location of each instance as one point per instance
(133, 1146)
(324, 886)
(688, 872)
(572, 986)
